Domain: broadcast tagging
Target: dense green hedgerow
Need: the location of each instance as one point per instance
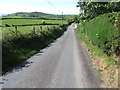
(19, 47)
(102, 32)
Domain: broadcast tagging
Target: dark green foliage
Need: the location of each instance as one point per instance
(70, 21)
(76, 18)
(43, 22)
(19, 47)
(93, 9)
(6, 25)
(73, 19)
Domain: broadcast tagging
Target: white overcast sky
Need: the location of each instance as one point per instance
(65, 6)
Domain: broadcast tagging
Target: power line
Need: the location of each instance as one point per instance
(56, 8)
(53, 5)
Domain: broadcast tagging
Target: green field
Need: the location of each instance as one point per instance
(26, 29)
(30, 21)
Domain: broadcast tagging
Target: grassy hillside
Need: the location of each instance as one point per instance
(36, 15)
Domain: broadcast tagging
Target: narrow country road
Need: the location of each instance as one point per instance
(64, 64)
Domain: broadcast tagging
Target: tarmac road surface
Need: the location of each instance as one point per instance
(64, 64)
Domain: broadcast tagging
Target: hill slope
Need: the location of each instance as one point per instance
(35, 15)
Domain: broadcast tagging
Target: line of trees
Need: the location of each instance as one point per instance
(92, 9)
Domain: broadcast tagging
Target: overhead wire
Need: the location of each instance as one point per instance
(55, 8)
(53, 5)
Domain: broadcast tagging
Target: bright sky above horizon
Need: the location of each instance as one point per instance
(65, 6)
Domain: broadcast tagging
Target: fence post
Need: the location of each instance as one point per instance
(40, 27)
(33, 29)
(16, 30)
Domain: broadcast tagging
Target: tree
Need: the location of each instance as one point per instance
(93, 9)
(75, 18)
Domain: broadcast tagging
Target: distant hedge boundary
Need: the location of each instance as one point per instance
(7, 25)
(31, 18)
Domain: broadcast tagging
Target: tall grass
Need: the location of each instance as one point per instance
(102, 32)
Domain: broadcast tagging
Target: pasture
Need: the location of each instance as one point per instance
(21, 42)
(30, 21)
(26, 29)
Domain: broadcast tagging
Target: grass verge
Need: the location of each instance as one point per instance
(107, 65)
